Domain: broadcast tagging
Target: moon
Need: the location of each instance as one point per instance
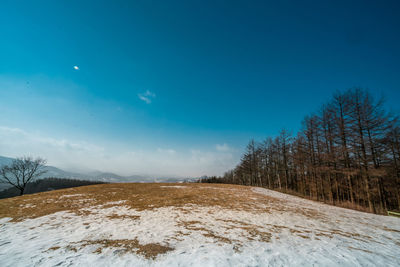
(76, 67)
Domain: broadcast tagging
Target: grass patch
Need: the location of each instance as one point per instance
(149, 251)
(136, 196)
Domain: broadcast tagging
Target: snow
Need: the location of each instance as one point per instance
(173, 186)
(294, 232)
(27, 206)
(72, 195)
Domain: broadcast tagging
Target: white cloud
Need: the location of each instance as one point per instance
(166, 151)
(23, 136)
(64, 153)
(222, 148)
(125, 160)
(145, 99)
(147, 96)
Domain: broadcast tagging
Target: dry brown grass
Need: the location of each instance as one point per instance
(252, 231)
(390, 230)
(149, 251)
(137, 196)
(54, 248)
(123, 217)
(360, 249)
(142, 197)
(197, 226)
(335, 232)
(256, 234)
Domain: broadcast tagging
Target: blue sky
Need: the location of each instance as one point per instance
(179, 87)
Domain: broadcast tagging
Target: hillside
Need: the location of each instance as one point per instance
(189, 224)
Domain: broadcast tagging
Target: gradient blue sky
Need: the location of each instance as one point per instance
(179, 87)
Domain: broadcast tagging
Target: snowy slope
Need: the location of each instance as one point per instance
(272, 229)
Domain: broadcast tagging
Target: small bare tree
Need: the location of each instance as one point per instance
(22, 171)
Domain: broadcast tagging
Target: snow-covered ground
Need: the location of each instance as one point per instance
(287, 231)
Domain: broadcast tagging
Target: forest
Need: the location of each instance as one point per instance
(346, 154)
(47, 184)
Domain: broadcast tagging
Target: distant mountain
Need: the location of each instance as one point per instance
(5, 160)
(97, 176)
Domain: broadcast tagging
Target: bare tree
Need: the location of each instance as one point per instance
(347, 154)
(22, 171)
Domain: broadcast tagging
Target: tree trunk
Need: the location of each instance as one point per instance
(350, 188)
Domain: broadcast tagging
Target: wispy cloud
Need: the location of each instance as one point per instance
(222, 148)
(16, 142)
(110, 157)
(32, 138)
(147, 96)
(166, 151)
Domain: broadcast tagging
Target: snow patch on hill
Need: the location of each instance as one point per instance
(294, 232)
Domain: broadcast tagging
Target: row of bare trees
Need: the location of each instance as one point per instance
(348, 154)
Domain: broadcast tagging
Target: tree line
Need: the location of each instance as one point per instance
(346, 154)
(22, 172)
(47, 184)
